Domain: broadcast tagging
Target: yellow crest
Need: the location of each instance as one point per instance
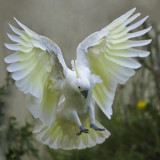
(76, 68)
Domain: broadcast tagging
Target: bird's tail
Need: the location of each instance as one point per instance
(64, 136)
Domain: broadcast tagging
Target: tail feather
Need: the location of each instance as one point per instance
(64, 136)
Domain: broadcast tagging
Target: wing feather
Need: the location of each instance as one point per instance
(33, 66)
(109, 54)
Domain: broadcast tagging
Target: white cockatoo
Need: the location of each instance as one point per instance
(63, 99)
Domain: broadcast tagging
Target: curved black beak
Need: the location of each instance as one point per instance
(84, 93)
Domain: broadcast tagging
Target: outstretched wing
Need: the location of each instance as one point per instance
(108, 53)
(38, 68)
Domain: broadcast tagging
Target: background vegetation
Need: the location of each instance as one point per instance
(134, 125)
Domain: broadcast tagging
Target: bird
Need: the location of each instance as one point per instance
(63, 99)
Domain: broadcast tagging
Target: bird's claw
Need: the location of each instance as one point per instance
(82, 130)
(96, 128)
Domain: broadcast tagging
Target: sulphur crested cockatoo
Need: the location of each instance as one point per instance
(63, 99)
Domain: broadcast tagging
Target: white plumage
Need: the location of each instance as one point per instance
(63, 99)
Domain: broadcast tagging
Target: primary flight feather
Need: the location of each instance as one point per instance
(63, 99)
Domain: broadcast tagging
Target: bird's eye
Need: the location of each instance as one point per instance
(79, 87)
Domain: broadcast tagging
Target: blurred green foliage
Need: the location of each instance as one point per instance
(20, 141)
(135, 131)
(16, 141)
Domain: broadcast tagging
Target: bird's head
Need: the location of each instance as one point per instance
(82, 86)
(81, 83)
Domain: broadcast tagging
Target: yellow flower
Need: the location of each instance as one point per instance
(141, 104)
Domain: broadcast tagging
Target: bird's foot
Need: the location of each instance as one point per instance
(82, 130)
(96, 128)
